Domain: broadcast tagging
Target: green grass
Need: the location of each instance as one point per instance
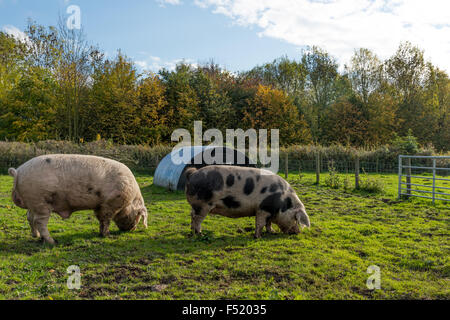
(350, 231)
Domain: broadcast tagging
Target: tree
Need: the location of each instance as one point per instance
(114, 101)
(437, 102)
(152, 110)
(283, 73)
(181, 97)
(12, 60)
(321, 79)
(74, 68)
(382, 121)
(407, 72)
(29, 111)
(364, 72)
(345, 123)
(272, 109)
(213, 103)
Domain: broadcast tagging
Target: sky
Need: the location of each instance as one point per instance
(240, 34)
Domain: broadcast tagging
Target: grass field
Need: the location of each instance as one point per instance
(350, 231)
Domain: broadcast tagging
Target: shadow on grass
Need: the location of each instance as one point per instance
(118, 248)
(152, 193)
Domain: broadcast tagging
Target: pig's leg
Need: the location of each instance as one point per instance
(261, 221)
(269, 226)
(198, 214)
(34, 231)
(40, 222)
(104, 216)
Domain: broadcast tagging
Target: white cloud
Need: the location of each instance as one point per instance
(15, 32)
(340, 26)
(154, 64)
(172, 2)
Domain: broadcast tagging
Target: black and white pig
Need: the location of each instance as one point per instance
(244, 192)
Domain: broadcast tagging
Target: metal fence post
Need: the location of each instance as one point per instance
(400, 172)
(435, 193)
(434, 180)
(357, 173)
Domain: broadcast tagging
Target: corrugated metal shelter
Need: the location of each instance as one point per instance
(170, 174)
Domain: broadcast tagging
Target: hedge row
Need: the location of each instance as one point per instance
(146, 158)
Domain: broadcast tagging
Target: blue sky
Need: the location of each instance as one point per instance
(240, 34)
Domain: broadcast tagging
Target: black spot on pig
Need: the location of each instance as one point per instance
(98, 194)
(48, 160)
(230, 202)
(273, 187)
(230, 180)
(287, 204)
(263, 190)
(203, 184)
(90, 189)
(197, 209)
(249, 186)
(273, 204)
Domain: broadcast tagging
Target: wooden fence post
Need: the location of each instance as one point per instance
(286, 165)
(299, 168)
(408, 177)
(317, 168)
(400, 173)
(357, 173)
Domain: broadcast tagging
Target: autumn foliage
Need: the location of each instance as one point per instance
(57, 86)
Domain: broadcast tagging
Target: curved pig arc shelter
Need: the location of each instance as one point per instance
(170, 171)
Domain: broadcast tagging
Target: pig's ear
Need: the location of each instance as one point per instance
(189, 172)
(12, 172)
(302, 218)
(144, 220)
(142, 214)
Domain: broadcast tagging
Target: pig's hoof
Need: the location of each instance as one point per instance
(49, 241)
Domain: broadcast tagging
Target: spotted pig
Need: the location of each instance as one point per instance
(67, 183)
(243, 192)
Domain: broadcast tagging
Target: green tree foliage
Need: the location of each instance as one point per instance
(182, 99)
(28, 113)
(114, 101)
(55, 85)
(12, 55)
(284, 74)
(213, 102)
(322, 74)
(271, 109)
(364, 72)
(345, 123)
(152, 110)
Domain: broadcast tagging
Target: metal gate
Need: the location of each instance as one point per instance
(436, 178)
